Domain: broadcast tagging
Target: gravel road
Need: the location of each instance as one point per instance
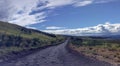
(54, 56)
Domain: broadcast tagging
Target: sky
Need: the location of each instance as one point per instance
(59, 16)
(85, 16)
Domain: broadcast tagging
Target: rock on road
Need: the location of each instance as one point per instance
(54, 56)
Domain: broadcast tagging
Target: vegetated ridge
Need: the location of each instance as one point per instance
(14, 39)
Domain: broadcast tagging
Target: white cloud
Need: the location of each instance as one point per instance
(26, 19)
(18, 12)
(5, 10)
(84, 3)
(54, 28)
(101, 29)
(56, 3)
(78, 3)
(27, 12)
(30, 27)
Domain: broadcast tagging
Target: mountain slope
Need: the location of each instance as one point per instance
(12, 29)
(14, 38)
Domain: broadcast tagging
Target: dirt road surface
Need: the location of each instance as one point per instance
(54, 56)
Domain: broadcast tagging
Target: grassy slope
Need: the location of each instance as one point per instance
(11, 34)
(16, 30)
(102, 49)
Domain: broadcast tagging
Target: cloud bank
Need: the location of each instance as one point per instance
(28, 12)
(54, 28)
(101, 29)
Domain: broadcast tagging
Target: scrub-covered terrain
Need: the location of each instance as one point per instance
(15, 39)
(104, 49)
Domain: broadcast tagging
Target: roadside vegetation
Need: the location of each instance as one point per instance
(14, 39)
(104, 49)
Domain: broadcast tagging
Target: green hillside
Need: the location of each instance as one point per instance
(14, 38)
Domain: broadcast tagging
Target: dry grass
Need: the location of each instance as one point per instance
(104, 54)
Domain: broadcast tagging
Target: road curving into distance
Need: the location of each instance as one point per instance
(54, 56)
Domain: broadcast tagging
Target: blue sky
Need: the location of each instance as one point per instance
(59, 16)
(85, 16)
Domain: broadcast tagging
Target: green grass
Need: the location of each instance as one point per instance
(107, 43)
(15, 38)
